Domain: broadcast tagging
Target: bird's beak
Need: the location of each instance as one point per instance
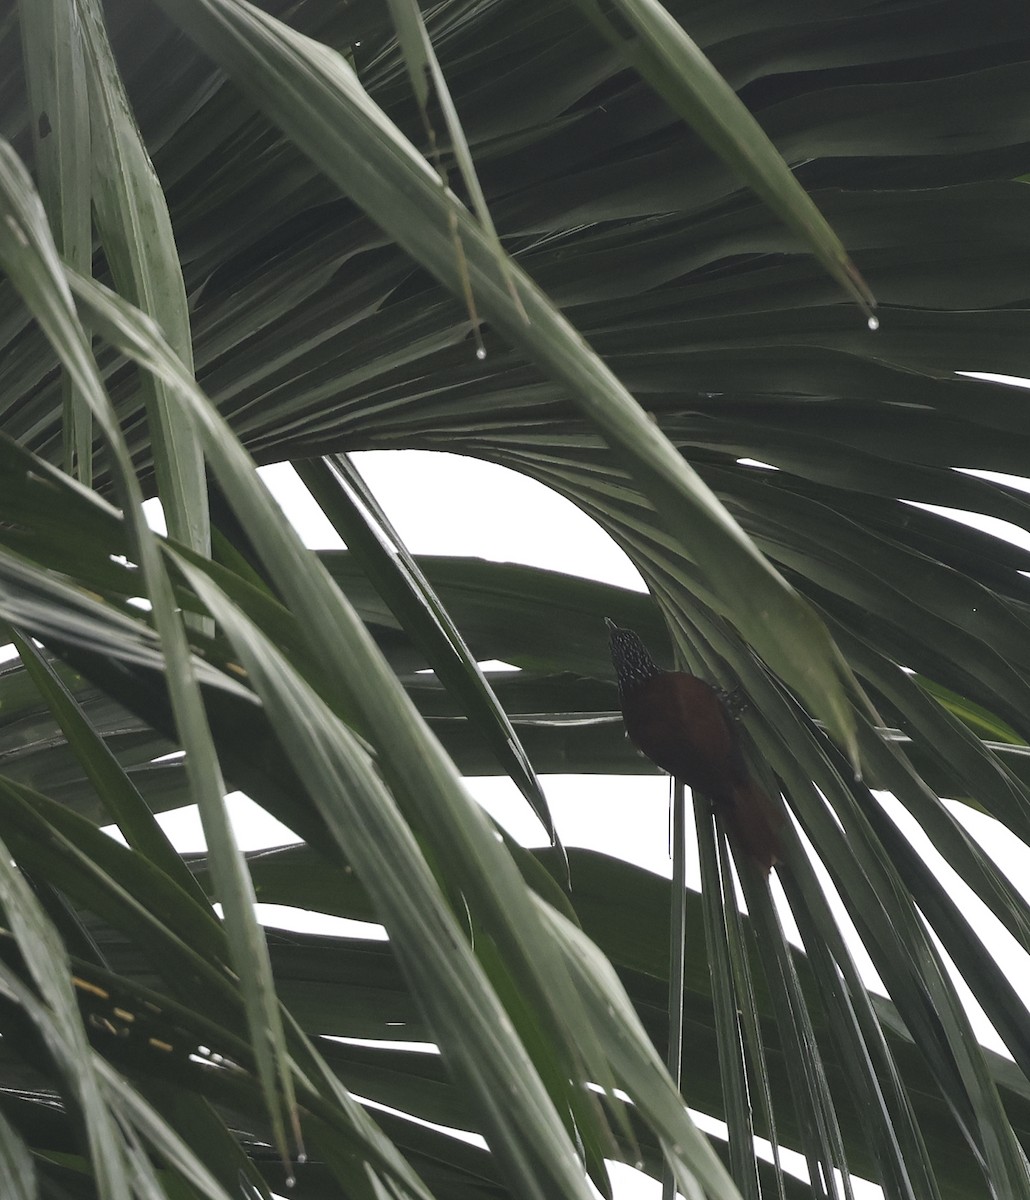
(611, 624)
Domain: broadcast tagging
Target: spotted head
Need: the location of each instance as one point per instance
(633, 664)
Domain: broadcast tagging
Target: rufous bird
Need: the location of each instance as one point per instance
(682, 725)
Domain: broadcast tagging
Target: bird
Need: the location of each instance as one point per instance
(683, 725)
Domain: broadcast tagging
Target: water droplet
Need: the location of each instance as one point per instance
(290, 1181)
(481, 353)
(302, 1158)
(873, 323)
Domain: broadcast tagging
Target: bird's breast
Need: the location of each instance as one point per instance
(681, 724)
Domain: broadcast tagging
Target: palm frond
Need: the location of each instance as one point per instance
(661, 348)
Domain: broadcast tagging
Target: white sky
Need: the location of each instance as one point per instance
(446, 504)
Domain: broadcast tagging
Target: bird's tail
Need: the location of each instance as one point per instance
(754, 821)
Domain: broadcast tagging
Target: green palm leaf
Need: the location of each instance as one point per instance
(656, 339)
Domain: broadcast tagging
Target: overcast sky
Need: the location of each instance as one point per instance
(427, 497)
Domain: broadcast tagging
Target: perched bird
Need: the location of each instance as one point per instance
(683, 726)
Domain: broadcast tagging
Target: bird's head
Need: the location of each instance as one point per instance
(633, 664)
